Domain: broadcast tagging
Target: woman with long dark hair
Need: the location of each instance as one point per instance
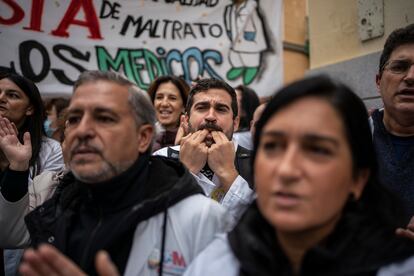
(320, 208)
(22, 106)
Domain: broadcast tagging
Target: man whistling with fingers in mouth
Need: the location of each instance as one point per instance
(208, 151)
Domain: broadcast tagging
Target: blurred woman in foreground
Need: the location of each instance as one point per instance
(320, 209)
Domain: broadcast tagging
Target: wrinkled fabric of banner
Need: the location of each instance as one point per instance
(51, 42)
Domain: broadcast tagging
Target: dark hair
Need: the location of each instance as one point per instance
(397, 38)
(59, 103)
(375, 198)
(205, 84)
(33, 123)
(181, 85)
(249, 102)
(139, 101)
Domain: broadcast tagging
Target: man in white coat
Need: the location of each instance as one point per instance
(146, 212)
(221, 167)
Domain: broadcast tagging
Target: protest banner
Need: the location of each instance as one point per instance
(52, 41)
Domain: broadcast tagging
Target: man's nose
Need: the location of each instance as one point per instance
(85, 128)
(211, 115)
(2, 95)
(409, 77)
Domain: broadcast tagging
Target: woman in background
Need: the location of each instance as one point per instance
(169, 96)
(54, 124)
(320, 209)
(22, 106)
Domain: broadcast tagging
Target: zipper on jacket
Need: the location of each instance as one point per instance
(91, 238)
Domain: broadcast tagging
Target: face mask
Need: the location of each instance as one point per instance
(48, 129)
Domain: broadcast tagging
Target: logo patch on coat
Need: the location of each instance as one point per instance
(174, 262)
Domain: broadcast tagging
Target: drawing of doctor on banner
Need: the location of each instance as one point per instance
(245, 29)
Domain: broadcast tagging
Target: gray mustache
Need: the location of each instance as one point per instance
(84, 146)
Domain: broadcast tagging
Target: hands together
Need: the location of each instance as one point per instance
(194, 154)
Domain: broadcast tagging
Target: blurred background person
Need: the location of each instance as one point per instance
(393, 125)
(256, 116)
(21, 104)
(320, 208)
(247, 102)
(54, 123)
(169, 96)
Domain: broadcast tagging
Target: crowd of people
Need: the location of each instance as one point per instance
(202, 179)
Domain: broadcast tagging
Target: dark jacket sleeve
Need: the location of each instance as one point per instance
(14, 184)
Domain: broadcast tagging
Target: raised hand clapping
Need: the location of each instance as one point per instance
(17, 154)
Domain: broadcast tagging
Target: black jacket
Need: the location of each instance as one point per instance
(81, 219)
(396, 174)
(359, 246)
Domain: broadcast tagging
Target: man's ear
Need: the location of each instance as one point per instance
(236, 122)
(360, 182)
(378, 81)
(185, 120)
(145, 135)
(29, 110)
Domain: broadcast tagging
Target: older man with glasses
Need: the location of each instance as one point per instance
(394, 125)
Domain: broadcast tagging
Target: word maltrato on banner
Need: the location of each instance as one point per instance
(52, 41)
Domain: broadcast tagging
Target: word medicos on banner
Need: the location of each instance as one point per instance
(134, 62)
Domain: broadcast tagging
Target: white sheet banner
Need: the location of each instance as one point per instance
(52, 41)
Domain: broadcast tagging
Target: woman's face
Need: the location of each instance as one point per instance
(14, 104)
(303, 167)
(168, 105)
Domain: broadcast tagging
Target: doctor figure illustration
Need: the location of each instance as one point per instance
(244, 27)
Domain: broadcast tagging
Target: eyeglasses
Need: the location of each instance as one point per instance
(398, 66)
